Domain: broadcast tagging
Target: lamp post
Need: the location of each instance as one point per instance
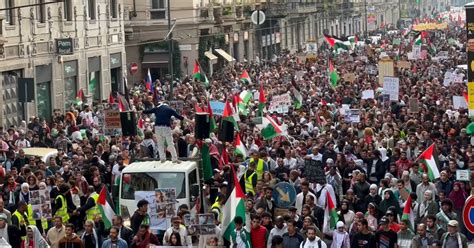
(170, 52)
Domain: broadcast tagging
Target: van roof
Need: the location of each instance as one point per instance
(158, 166)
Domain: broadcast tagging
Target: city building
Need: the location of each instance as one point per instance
(212, 32)
(51, 51)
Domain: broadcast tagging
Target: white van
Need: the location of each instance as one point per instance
(151, 175)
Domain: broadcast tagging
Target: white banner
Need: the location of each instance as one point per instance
(280, 104)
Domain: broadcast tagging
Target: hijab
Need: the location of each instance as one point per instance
(391, 201)
(458, 197)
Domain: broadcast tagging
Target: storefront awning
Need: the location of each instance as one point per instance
(210, 56)
(155, 59)
(225, 55)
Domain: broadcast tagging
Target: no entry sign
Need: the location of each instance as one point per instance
(133, 68)
(468, 214)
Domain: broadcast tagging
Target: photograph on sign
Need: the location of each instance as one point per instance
(165, 202)
(156, 222)
(200, 224)
(41, 204)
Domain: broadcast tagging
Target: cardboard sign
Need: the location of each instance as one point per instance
(385, 69)
(402, 64)
(349, 77)
(413, 106)
(391, 87)
(463, 175)
(112, 124)
(352, 115)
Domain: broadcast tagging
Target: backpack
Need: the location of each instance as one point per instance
(318, 193)
(304, 242)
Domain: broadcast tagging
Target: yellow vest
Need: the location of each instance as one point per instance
(62, 212)
(248, 183)
(259, 169)
(94, 211)
(217, 206)
(31, 221)
(20, 219)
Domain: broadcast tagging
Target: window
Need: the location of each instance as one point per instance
(193, 180)
(113, 8)
(92, 9)
(40, 12)
(67, 10)
(150, 181)
(158, 9)
(9, 16)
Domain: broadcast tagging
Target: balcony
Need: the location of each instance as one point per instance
(275, 9)
(303, 8)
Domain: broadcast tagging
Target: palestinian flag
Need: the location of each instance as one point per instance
(196, 71)
(428, 157)
(123, 104)
(197, 108)
(229, 114)
(240, 105)
(270, 128)
(80, 97)
(141, 123)
(234, 206)
(106, 207)
(92, 83)
(245, 77)
(111, 98)
(297, 98)
(211, 117)
(206, 162)
(337, 43)
(333, 77)
(408, 213)
(417, 40)
(330, 214)
(240, 147)
(246, 96)
(261, 100)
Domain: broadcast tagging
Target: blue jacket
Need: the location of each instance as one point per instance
(163, 114)
(120, 243)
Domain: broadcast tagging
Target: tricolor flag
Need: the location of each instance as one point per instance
(337, 43)
(408, 213)
(141, 123)
(261, 100)
(148, 82)
(330, 214)
(417, 40)
(298, 98)
(80, 97)
(92, 83)
(240, 105)
(246, 96)
(196, 71)
(197, 108)
(245, 77)
(106, 207)
(270, 128)
(234, 206)
(123, 104)
(428, 157)
(240, 147)
(333, 77)
(206, 162)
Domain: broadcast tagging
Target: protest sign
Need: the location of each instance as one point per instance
(447, 78)
(161, 208)
(313, 171)
(416, 51)
(200, 224)
(403, 64)
(368, 94)
(385, 69)
(459, 102)
(349, 77)
(280, 103)
(112, 123)
(457, 78)
(217, 107)
(413, 106)
(391, 87)
(352, 115)
(41, 204)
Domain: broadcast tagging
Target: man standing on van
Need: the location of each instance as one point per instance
(163, 114)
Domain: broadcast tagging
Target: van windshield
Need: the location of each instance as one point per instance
(150, 181)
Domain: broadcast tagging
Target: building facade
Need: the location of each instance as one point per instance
(212, 32)
(49, 52)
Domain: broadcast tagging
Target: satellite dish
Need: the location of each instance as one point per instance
(258, 17)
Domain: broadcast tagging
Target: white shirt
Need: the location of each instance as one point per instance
(317, 157)
(313, 244)
(276, 232)
(290, 163)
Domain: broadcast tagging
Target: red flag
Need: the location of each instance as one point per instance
(141, 123)
(111, 98)
(225, 156)
(227, 110)
(466, 96)
(197, 108)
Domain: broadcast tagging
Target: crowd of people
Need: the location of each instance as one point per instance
(371, 166)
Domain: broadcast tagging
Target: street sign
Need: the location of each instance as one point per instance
(64, 46)
(133, 68)
(468, 214)
(284, 195)
(258, 17)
